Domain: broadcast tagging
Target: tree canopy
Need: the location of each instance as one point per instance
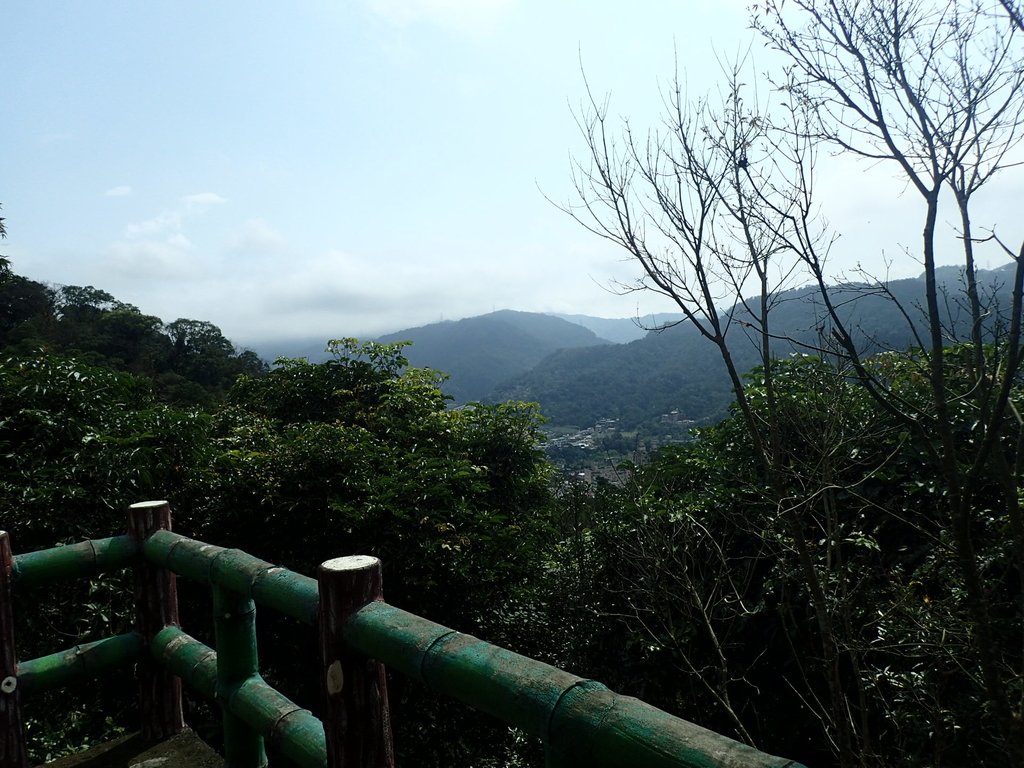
(190, 362)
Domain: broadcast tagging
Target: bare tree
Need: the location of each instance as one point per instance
(719, 204)
(937, 89)
(687, 203)
(1013, 9)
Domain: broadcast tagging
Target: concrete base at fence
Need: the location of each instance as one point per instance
(186, 750)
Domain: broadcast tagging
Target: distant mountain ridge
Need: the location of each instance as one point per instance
(625, 329)
(570, 365)
(480, 353)
(678, 370)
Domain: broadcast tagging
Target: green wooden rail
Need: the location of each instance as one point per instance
(580, 721)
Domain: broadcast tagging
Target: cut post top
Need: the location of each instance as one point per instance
(148, 505)
(350, 563)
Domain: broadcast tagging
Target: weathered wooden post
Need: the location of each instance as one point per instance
(357, 722)
(12, 731)
(156, 605)
(234, 621)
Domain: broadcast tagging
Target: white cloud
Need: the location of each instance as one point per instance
(150, 260)
(178, 240)
(171, 220)
(467, 16)
(202, 200)
(162, 222)
(332, 294)
(121, 191)
(256, 238)
(339, 293)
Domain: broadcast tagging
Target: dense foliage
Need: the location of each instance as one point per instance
(680, 585)
(189, 361)
(360, 450)
(691, 567)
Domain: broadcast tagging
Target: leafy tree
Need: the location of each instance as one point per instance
(363, 451)
(77, 301)
(200, 353)
(78, 443)
(190, 361)
(26, 317)
(367, 450)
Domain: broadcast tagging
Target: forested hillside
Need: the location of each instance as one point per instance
(678, 370)
(189, 361)
(683, 585)
(634, 382)
(624, 329)
(479, 353)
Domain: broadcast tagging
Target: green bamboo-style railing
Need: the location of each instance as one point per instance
(581, 722)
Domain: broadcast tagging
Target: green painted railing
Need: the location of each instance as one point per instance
(581, 722)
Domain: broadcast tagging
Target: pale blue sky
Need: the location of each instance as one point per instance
(320, 169)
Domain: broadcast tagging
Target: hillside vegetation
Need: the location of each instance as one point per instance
(676, 369)
(189, 362)
(355, 455)
(681, 585)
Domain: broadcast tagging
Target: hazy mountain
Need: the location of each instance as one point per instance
(313, 349)
(479, 353)
(567, 364)
(624, 329)
(531, 337)
(633, 382)
(678, 370)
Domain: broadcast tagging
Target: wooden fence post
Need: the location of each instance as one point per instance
(357, 722)
(12, 731)
(156, 605)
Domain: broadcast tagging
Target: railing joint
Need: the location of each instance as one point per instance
(95, 555)
(279, 721)
(558, 702)
(170, 549)
(425, 656)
